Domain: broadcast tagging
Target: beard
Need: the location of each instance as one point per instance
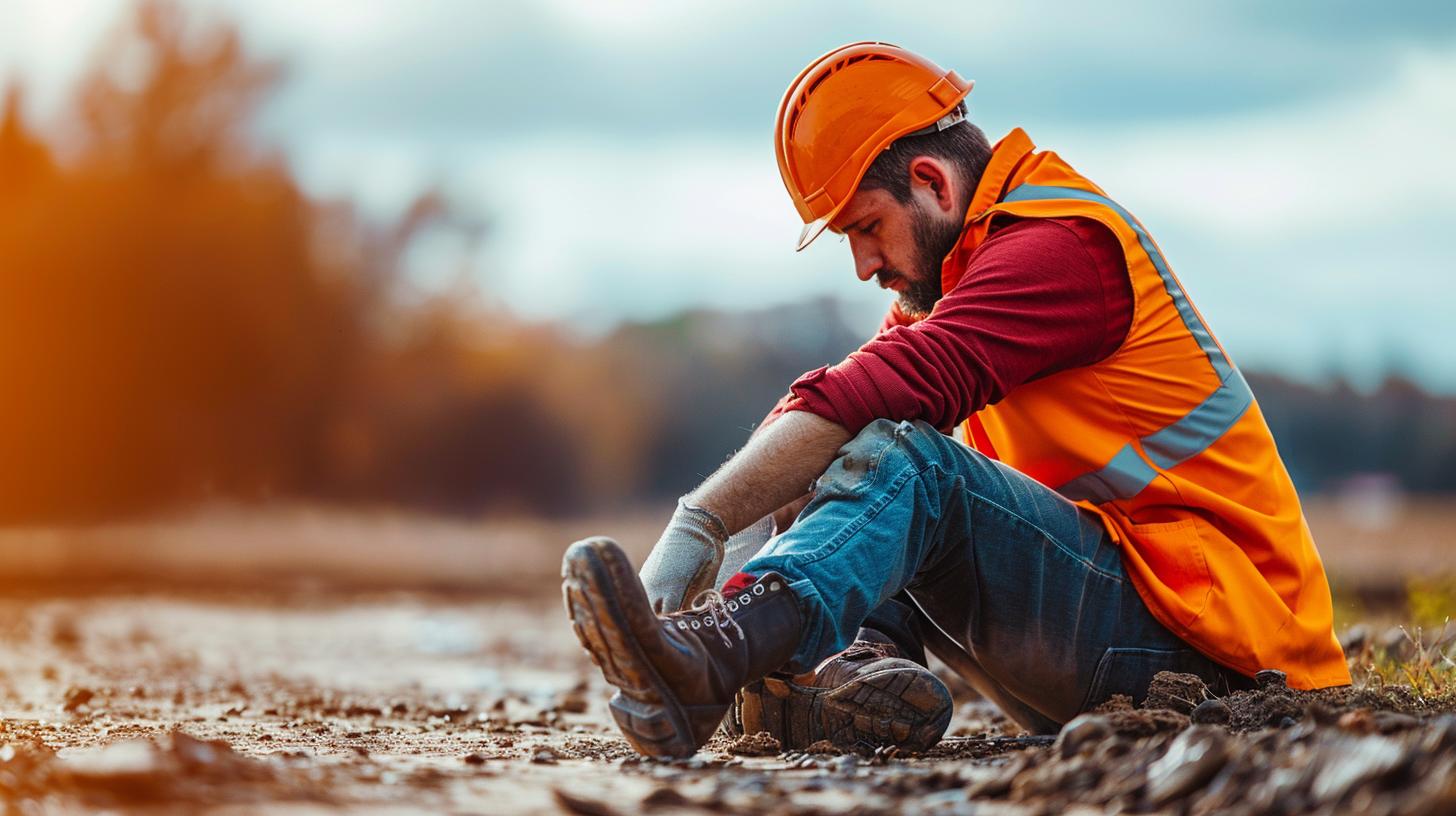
(934, 239)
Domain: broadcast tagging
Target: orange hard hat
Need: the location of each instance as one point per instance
(847, 107)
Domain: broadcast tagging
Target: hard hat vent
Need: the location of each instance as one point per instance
(839, 65)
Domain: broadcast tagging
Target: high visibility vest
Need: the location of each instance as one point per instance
(1164, 441)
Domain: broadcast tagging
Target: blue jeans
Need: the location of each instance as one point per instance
(1029, 584)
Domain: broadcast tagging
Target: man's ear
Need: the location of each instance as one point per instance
(931, 175)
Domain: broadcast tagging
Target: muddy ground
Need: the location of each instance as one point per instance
(238, 660)
(317, 699)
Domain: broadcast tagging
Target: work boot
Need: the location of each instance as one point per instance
(863, 698)
(675, 674)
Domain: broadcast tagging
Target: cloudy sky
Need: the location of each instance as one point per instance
(1295, 160)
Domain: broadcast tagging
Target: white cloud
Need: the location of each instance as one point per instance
(48, 44)
(598, 230)
(635, 20)
(643, 230)
(1376, 153)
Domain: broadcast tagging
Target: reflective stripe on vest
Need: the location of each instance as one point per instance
(1128, 473)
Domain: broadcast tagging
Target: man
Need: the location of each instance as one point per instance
(1118, 507)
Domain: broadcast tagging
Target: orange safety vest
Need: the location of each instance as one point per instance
(1164, 441)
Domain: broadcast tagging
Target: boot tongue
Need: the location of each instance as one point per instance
(870, 647)
(873, 644)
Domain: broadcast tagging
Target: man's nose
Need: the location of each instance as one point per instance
(866, 264)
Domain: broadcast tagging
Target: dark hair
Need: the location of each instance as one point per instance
(963, 145)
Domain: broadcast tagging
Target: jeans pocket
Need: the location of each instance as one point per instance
(1130, 670)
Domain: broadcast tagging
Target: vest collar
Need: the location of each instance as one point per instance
(1006, 156)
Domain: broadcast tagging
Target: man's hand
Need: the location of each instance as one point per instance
(685, 559)
(772, 472)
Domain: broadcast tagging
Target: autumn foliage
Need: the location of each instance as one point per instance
(179, 321)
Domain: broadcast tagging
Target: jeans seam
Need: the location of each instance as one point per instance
(1049, 537)
(869, 514)
(1085, 562)
(1098, 677)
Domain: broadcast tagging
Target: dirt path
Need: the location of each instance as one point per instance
(442, 703)
(388, 701)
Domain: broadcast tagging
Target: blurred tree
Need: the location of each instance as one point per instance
(25, 162)
(166, 331)
(172, 96)
(179, 321)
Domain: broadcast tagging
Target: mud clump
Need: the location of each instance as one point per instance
(1176, 692)
(1117, 702)
(1090, 731)
(76, 697)
(1144, 722)
(1211, 712)
(583, 805)
(759, 744)
(574, 700)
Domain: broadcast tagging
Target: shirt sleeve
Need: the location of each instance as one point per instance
(792, 402)
(1038, 296)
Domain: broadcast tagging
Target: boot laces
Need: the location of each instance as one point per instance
(712, 602)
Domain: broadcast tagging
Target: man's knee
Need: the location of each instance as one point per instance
(917, 437)
(887, 445)
(881, 432)
(866, 450)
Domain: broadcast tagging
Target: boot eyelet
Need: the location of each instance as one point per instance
(695, 623)
(682, 624)
(746, 599)
(732, 606)
(774, 587)
(758, 589)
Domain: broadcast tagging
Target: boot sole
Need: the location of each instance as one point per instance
(895, 707)
(595, 574)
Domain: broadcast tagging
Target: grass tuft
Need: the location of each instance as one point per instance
(1424, 664)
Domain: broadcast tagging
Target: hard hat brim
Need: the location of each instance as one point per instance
(813, 230)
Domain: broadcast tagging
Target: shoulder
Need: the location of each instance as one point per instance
(1073, 254)
(1051, 238)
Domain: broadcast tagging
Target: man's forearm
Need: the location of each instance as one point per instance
(774, 468)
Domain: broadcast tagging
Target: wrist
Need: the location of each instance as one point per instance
(701, 520)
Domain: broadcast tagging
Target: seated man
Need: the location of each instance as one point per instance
(1117, 507)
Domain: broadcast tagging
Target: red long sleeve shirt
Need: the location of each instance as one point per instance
(1038, 296)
